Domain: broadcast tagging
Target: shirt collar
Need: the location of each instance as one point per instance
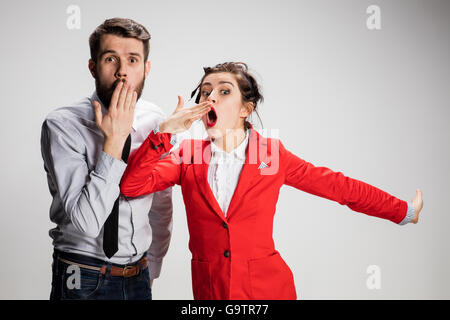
(239, 153)
(135, 124)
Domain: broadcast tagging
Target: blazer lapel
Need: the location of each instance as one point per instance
(256, 148)
(201, 176)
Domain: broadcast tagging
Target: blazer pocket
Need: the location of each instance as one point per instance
(271, 278)
(201, 280)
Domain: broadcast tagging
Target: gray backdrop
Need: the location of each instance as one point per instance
(373, 104)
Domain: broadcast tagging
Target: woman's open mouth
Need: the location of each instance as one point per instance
(211, 118)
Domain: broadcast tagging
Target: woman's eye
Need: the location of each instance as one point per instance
(225, 91)
(205, 93)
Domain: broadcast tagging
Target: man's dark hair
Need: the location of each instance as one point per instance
(126, 28)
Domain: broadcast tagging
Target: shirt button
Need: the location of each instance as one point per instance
(226, 253)
(224, 224)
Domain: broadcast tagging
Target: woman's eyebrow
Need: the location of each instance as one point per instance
(220, 82)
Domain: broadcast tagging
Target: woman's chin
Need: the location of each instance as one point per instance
(214, 133)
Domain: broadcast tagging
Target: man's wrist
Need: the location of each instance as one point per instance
(114, 147)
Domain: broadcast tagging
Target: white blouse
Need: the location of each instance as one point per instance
(224, 171)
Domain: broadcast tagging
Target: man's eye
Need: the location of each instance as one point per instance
(133, 60)
(109, 59)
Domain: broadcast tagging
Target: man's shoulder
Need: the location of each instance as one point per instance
(147, 116)
(81, 109)
(144, 107)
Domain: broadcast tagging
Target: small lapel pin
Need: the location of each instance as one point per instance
(263, 165)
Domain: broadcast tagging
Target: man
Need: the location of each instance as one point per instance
(106, 246)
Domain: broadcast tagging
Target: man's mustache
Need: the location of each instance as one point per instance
(105, 91)
(115, 83)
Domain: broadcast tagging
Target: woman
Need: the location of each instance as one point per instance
(230, 184)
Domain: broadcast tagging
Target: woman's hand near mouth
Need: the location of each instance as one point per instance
(182, 118)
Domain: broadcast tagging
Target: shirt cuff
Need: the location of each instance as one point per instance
(110, 168)
(173, 137)
(410, 213)
(161, 140)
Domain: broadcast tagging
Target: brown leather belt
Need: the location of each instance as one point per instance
(126, 272)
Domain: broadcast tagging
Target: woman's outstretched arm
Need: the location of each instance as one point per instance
(357, 195)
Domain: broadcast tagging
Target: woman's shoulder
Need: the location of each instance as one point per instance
(265, 139)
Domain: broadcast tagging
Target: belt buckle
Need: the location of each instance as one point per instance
(124, 271)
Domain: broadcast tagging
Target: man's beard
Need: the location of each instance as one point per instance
(105, 92)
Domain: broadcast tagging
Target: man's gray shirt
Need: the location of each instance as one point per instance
(84, 183)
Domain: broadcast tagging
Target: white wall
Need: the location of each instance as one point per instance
(373, 104)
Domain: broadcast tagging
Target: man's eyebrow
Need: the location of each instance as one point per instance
(134, 54)
(115, 52)
(220, 82)
(106, 51)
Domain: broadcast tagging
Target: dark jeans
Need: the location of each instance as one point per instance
(92, 284)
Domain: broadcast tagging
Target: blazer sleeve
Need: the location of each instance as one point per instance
(357, 195)
(147, 172)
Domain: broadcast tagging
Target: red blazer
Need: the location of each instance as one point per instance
(234, 257)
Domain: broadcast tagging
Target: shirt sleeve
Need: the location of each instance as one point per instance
(160, 217)
(357, 195)
(87, 195)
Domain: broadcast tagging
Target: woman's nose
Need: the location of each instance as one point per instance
(212, 97)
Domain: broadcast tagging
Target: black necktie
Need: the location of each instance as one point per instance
(111, 226)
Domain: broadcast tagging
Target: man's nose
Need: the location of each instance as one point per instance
(121, 71)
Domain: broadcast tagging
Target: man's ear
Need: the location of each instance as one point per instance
(91, 66)
(247, 109)
(147, 67)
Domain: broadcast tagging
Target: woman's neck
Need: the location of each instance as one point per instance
(231, 140)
